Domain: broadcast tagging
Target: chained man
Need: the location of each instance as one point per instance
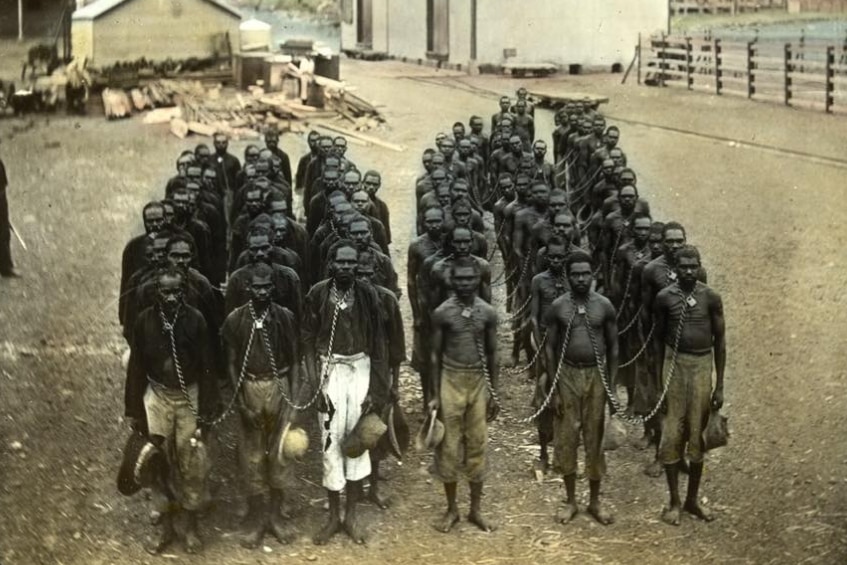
(464, 388)
(343, 340)
(582, 359)
(658, 274)
(690, 329)
(546, 287)
(262, 346)
(171, 393)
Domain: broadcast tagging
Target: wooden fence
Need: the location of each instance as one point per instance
(808, 74)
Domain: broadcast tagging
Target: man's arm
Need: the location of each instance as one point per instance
(552, 356)
(309, 336)
(485, 283)
(610, 331)
(660, 312)
(719, 343)
(535, 308)
(491, 348)
(413, 265)
(437, 343)
(136, 375)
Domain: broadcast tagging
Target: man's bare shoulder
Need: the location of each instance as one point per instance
(488, 311)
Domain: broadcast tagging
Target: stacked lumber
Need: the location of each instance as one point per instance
(116, 103)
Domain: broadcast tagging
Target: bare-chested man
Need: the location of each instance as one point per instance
(464, 360)
(582, 351)
(690, 329)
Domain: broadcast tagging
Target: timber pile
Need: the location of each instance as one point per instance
(190, 106)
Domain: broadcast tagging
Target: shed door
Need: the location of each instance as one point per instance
(438, 27)
(364, 24)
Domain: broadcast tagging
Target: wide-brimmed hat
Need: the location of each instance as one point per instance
(396, 441)
(431, 433)
(364, 435)
(141, 460)
(291, 442)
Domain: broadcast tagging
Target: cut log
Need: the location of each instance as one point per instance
(162, 115)
(201, 129)
(179, 128)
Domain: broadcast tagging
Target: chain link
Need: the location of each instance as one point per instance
(640, 351)
(531, 364)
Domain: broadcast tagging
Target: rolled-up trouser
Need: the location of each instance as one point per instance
(688, 398)
(464, 400)
(346, 387)
(170, 416)
(260, 468)
(583, 403)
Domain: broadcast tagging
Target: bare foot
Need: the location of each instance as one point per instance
(279, 527)
(165, 538)
(693, 508)
(567, 512)
(332, 527)
(654, 469)
(600, 514)
(193, 545)
(450, 519)
(355, 530)
(671, 515)
(480, 522)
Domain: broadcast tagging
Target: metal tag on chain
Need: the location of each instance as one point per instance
(580, 309)
(691, 301)
(343, 304)
(258, 324)
(672, 275)
(466, 313)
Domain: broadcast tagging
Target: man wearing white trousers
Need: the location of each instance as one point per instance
(341, 336)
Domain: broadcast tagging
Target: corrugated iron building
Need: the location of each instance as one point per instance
(107, 31)
(562, 32)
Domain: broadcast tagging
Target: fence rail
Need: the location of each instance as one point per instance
(807, 74)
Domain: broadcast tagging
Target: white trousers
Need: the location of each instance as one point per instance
(346, 387)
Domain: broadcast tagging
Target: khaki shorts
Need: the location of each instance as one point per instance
(688, 399)
(260, 469)
(583, 401)
(464, 401)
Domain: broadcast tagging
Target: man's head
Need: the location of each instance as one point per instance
(461, 240)
(426, 159)
(221, 142)
(170, 289)
(578, 265)
(259, 245)
(339, 146)
(434, 222)
(465, 277)
(557, 252)
(476, 124)
(465, 147)
(515, 144)
(203, 155)
(460, 189)
(627, 196)
(360, 201)
(312, 140)
(170, 212)
(616, 155)
(655, 239)
(539, 149)
(276, 205)
(641, 228)
(331, 179)
(366, 267)
(372, 181)
(558, 201)
(673, 238)
(462, 212)
(563, 225)
(185, 159)
(280, 229)
(520, 107)
(505, 103)
(687, 261)
(438, 162)
(521, 93)
(458, 131)
(522, 183)
(585, 125)
(608, 168)
(253, 202)
(339, 209)
(325, 145)
(506, 186)
(159, 250)
(599, 125)
(447, 147)
(352, 180)
(272, 138)
(439, 138)
(251, 154)
(180, 251)
(443, 194)
(154, 217)
(360, 232)
(613, 135)
(344, 263)
(540, 195)
(627, 177)
(183, 207)
(261, 285)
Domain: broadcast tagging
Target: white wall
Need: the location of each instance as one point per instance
(379, 9)
(407, 25)
(460, 31)
(348, 28)
(566, 32)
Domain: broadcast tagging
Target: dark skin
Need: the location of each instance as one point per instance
(433, 222)
(594, 309)
(704, 330)
(454, 335)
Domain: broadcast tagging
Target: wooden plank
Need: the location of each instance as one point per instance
(162, 115)
(558, 97)
(179, 128)
(362, 137)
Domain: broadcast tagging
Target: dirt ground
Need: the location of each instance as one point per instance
(760, 189)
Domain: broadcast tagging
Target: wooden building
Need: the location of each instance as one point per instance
(107, 31)
(597, 34)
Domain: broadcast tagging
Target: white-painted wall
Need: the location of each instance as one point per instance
(594, 33)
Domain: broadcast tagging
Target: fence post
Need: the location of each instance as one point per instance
(689, 60)
(718, 72)
(639, 58)
(830, 86)
(751, 89)
(787, 69)
(662, 60)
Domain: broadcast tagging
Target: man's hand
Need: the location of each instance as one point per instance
(433, 405)
(138, 425)
(540, 393)
(717, 399)
(492, 410)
